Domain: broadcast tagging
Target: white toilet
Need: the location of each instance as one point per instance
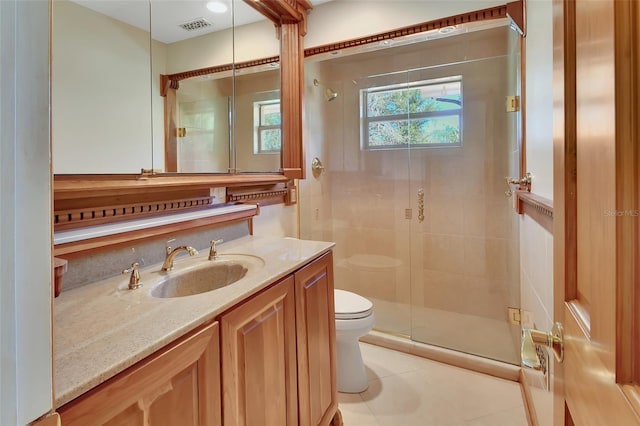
(354, 319)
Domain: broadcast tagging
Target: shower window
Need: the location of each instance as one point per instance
(420, 114)
(267, 137)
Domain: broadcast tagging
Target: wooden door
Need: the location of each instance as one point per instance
(596, 212)
(179, 385)
(316, 335)
(259, 383)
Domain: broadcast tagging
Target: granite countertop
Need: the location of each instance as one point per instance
(102, 328)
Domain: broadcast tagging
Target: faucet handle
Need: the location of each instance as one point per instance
(213, 254)
(134, 279)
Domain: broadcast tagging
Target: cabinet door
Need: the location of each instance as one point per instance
(259, 359)
(178, 385)
(316, 335)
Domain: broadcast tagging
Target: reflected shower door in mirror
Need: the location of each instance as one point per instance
(222, 112)
(205, 112)
(101, 87)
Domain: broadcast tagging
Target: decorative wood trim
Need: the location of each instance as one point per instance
(84, 247)
(259, 195)
(174, 79)
(496, 12)
(90, 216)
(627, 53)
(538, 208)
(282, 11)
(67, 187)
(522, 146)
(632, 392)
(516, 10)
(581, 315)
(292, 78)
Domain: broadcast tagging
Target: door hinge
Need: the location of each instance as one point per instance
(513, 103)
(515, 316)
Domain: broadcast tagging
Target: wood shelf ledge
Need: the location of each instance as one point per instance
(98, 241)
(67, 187)
(536, 207)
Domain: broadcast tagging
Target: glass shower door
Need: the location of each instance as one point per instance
(421, 121)
(359, 199)
(464, 240)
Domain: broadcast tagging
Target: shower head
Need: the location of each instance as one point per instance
(329, 94)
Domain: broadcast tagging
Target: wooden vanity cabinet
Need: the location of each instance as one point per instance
(270, 360)
(259, 383)
(315, 337)
(178, 385)
(278, 353)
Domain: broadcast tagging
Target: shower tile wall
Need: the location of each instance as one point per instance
(461, 258)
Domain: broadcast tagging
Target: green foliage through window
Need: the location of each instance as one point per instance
(417, 114)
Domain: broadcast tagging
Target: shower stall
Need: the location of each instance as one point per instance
(416, 147)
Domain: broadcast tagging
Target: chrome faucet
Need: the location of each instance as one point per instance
(171, 254)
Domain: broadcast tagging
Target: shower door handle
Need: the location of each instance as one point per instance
(420, 205)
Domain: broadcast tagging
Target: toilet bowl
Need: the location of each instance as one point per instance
(354, 319)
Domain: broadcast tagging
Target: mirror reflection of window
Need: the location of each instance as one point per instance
(267, 137)
(258, 131)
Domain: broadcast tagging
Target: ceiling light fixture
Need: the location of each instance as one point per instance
(217, 7)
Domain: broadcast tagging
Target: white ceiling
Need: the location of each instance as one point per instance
(165, 16)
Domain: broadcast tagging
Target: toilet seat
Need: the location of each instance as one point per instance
(351, 306)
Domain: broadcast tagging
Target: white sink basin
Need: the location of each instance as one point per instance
(213, 275)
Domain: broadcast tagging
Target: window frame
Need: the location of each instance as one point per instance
(365, 120)
(258, 127)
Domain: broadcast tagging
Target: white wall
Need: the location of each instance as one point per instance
(25, 213)
(340, 20)
(277, 220)
(222, 47)
(539, 97)
(536, 244)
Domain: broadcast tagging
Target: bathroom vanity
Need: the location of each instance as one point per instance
(259, 350)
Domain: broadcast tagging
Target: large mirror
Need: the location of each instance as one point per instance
(101, 87)
(108, 113)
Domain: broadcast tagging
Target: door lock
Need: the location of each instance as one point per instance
(532, 337)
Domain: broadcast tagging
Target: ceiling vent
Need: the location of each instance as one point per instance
(196, 24)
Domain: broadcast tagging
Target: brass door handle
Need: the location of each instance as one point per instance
(420, 205)
(532, 337)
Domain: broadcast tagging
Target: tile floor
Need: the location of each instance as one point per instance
(407, 390)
